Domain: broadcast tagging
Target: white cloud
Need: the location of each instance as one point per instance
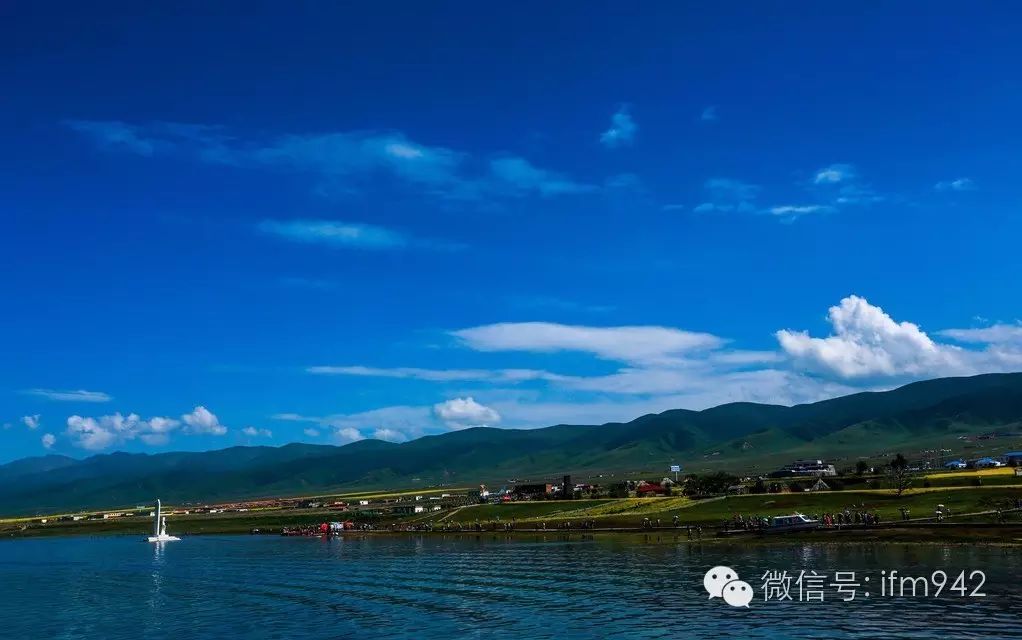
(995, 334)
(348, 434)
(336, 233)
(709, 114)
(391, 435)
(868, 343)
(437, 375)
(346, 160)
(312, 433)
(96, 434)
(793, 212)
(49, 440)
(834, 174)
(840, 184)
(202, 421)
(32, 422)
(460, 413)
(293, 417)
(622, 130)
(79, 395)
(511, 175)
(666, 368)
(399, 423)
(253, 432)
(639, 344)
(959, 184)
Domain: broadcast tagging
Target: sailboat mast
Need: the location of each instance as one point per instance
(156, 524)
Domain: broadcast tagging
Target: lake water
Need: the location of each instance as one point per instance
(262, 587)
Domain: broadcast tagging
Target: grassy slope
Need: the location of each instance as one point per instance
(631, 511)
(625, 512)
(735, 437)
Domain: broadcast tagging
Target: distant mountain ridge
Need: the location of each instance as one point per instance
(735, 436)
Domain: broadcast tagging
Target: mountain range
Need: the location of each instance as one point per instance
(734, 437)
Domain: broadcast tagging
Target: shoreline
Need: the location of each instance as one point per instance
(1009, 534)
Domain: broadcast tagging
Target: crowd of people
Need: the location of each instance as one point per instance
(847, 517)
(741, 522)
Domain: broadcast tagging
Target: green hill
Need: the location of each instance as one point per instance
(738, 437)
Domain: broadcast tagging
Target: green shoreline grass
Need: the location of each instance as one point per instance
(626, 514)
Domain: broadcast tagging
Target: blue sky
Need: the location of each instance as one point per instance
(235, 225)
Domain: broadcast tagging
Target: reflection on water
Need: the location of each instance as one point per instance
(476, 587)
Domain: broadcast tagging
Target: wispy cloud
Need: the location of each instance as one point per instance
(841, 185)
(517, 176)
(348, 159)
(994, 334)
(353, 235)
(335, 233)
(790, 213)
(434, 375)
(727, 195)
(709, 114)
(78, 395)
(622, 130)
(32, 422)
(959, 184)
(835, 174)
(640, 344)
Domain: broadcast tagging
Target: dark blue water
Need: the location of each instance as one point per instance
(259, 588)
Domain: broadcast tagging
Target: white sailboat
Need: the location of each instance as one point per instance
(160, 527)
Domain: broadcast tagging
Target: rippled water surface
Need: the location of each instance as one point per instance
(260, 587)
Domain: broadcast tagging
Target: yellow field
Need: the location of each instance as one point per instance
(998, 471)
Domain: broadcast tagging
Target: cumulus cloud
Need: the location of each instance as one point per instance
(253, 432)
(645, 344)
(390, 435)
(49, 440)
(622, 130)
(202, 421)
(79, 395)
(96, 434)
(348, 434)
(867, 343)
(460, 413)
(32, 422)
(666, 368)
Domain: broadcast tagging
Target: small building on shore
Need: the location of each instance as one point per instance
(808, 468)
